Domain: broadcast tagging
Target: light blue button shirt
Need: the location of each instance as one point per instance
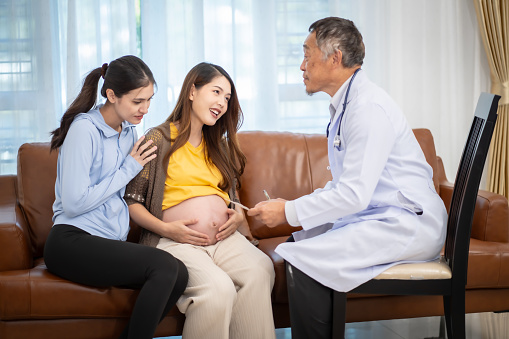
(93, 168)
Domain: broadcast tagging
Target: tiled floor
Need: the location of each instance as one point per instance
(478, 326)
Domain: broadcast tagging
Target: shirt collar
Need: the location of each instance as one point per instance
(335, 101)
(98, 120)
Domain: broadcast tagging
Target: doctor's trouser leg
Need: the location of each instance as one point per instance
(75, 255)
(310, 305)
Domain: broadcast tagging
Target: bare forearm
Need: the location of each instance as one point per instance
(177, 230)
(145, 219)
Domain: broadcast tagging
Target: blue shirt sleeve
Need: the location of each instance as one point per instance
(80, 194)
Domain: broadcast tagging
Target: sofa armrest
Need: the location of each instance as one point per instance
(14, 241)
(491, 214)
(488, 265)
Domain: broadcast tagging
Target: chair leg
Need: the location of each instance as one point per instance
(458, 315)
(447, 315)
(454, 309)
(338, 315)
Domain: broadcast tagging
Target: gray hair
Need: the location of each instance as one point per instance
(333, 34)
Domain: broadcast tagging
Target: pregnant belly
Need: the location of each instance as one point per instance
(210, 210)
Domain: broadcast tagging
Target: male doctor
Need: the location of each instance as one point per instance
(381, 206)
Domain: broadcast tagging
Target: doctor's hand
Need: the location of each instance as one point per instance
(271, 212)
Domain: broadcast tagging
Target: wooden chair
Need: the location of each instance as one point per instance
(448, 275)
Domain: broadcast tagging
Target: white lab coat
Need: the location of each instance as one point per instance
(367, 218)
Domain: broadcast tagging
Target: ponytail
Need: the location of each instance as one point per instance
(83, 103)
(121, 75)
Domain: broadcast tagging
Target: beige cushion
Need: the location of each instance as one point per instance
(437, 269)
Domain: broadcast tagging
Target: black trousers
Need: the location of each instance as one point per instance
(310, 305)
(75, 255)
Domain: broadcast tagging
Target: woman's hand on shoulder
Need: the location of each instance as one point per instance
(235, 219)
(179, 231)
(142, 153)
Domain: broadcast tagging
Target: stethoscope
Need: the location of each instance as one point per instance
(337, 140)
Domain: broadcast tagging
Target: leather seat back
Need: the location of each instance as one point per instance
(290, 165)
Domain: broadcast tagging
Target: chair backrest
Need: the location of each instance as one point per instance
(466, 185)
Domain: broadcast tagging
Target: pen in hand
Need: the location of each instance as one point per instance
(266, 194)
(245, 207)
(238, 203)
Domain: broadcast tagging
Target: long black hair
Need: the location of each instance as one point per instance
(121, 75)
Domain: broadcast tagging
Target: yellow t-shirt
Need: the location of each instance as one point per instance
(189, 175)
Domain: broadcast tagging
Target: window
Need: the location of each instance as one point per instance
(18, 82)
(298, 111)
(47, 47)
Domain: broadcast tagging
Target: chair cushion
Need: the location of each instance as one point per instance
(437, 269)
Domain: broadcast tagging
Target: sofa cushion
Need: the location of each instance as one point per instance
(42, 295)
(282, 169)
(38, 294)
(279, 293)
(291, 165)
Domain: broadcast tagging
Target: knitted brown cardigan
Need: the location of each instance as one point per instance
(147, 188)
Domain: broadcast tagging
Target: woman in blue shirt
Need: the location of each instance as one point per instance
(98, 155)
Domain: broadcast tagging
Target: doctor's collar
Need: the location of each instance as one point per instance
(336, 100)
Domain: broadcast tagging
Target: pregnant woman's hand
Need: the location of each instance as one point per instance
(179, 231)
(235, 219)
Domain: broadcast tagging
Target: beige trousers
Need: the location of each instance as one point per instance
(229, 290)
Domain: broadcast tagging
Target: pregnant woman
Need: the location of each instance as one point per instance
(181, 200)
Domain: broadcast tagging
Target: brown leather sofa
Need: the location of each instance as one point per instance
(36, 304)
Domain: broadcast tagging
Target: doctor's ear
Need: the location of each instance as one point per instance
(337, 58)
